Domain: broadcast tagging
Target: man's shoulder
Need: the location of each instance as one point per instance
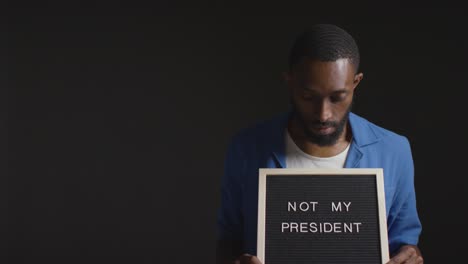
(387, 137)
(261, 130)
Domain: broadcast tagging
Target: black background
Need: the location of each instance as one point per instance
(117, 117)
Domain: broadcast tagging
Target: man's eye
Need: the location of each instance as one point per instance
(308, 95)
(337, 98)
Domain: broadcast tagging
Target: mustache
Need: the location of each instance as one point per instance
(318, 123)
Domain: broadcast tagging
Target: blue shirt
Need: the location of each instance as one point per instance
(263, 146)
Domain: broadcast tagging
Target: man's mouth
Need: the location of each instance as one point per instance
(323, 130)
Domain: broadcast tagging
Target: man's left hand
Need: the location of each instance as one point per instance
(407, 254)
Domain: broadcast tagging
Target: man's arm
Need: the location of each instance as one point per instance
(405, 227)
(227, 251)
(230, 224)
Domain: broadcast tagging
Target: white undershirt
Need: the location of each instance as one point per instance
(296, 158)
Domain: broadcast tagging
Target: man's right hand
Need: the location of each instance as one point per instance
(247, 259)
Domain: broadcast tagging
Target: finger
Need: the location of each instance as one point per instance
(411, 260)
(403, 256)
(255, 260)
(414, 260)
(420, 260)
(249, 259)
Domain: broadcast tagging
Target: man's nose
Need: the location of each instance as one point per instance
(325, 113)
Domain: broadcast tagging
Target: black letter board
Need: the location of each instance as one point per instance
(321, 216)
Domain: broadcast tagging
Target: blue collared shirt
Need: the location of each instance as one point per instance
(263, 146)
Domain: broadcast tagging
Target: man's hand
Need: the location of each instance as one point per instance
(247, 259)
(407, 254)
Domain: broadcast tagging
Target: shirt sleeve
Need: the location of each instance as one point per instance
(229, 221)
(406, 227)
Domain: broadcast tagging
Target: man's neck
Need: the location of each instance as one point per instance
(300, 139)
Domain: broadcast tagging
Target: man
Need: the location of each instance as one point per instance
(318, 132)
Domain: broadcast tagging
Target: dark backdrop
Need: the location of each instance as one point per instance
(119, 118)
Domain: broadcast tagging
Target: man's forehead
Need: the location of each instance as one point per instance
(328, 77)
(329, 71)
(308, 64)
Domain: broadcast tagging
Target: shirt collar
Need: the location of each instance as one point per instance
(363, 135)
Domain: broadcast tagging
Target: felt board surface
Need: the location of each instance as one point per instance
(307, 220)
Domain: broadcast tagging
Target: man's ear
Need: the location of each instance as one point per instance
(287, 79)
(285, 76)
(357, 79)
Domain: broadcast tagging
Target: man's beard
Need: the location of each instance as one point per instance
(322, 140)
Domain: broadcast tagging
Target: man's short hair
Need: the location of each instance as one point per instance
(324, 42)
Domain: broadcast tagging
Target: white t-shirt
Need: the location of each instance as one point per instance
(296, 158)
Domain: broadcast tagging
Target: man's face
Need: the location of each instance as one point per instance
(322, 95)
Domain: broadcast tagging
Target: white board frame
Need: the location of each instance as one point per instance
(378, 172)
